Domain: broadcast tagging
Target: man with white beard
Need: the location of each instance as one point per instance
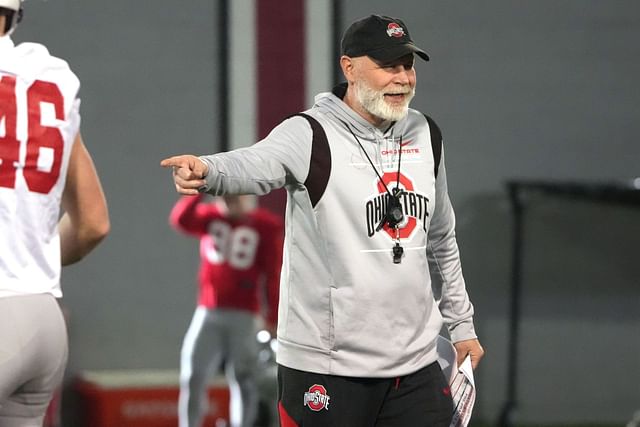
(371, 265)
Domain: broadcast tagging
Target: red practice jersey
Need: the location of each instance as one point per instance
(240, 258)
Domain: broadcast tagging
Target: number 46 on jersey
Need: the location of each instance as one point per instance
(39, 159)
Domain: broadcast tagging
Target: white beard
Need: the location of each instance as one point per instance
(373, 102)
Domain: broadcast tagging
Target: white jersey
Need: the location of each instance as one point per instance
(39, 121)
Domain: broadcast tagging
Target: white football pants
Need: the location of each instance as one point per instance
(216, 338)
(33, 356)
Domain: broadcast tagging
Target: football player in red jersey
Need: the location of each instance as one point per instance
(240, 260)
(44, 168)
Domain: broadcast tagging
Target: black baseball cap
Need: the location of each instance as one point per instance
(380, 37)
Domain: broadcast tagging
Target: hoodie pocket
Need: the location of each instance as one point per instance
(332, 334)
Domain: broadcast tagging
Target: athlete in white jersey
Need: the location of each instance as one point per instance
(44, 167)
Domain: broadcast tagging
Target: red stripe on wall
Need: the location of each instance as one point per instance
(281, 70)
(281, 58)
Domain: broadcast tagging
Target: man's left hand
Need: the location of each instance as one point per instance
(471, 348)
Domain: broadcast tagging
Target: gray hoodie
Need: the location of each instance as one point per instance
(345, 307)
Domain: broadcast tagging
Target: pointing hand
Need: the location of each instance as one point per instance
(188, 173)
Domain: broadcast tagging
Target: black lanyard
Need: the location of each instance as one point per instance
(394, 215)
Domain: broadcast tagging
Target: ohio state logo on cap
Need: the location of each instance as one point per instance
(317, 398)
(394, 30)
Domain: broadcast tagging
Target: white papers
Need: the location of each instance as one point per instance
(461, 383)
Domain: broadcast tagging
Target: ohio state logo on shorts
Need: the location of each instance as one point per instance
(394, 30)
(317, 398)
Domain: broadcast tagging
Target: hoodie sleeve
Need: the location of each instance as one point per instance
(445, 267)
(280, 159)
(189, 215)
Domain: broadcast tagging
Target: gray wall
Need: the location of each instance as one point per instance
(538, 89)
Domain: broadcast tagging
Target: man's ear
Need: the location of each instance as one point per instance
(346, 63)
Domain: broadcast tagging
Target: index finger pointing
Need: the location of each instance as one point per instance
(178, 161)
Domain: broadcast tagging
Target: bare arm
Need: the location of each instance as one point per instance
(85, 221)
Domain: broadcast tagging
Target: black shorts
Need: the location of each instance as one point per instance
(421, 399)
